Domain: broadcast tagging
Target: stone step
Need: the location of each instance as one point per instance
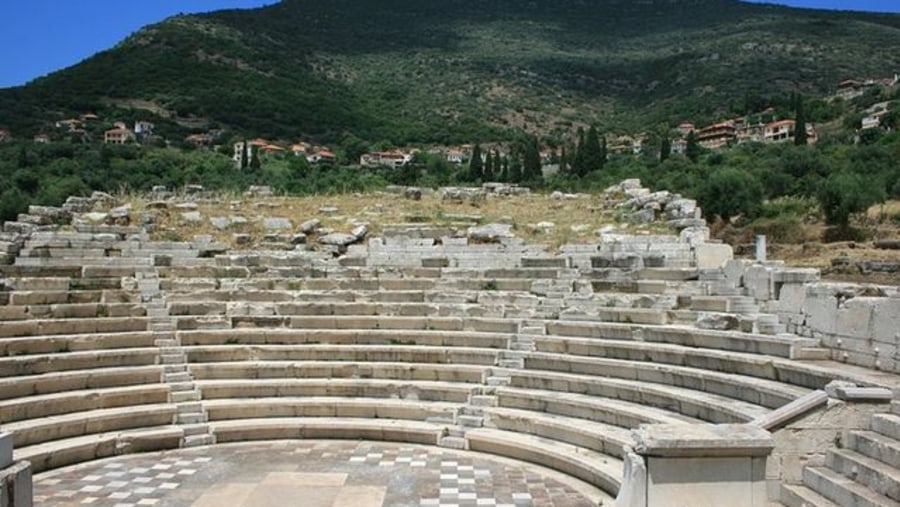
(524, 347)
(192, 418)
(182, 377)
(198, 440)
(887, 425)
(875, 446)
(170, 369)
(498, 381)
(172, 358)
(185, 396)
(842, 490)
(895, 405)
(190, 407)
(195, 429)
(181, 386)
(470, 421)
(459, 443)
(798, 495)
(812, 354)
(456, 431)
(440, 420)
(483, 400)
(511, 363)
(165, 343)
(869, 472)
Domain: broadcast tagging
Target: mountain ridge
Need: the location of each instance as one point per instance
(401, 71)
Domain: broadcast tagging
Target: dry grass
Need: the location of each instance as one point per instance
(382, 210)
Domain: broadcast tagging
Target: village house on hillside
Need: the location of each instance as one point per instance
(118, 135)
(42, 139)
(143, 128)
(394, 159)
(199, 140)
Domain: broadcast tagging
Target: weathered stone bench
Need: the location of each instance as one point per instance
(376, 353)
(88, 422)
(423, 391)
(68, 402)
(251, 370)
(60, 453)
(355, 336)
(284, 407)
(757, 391)
(600, 437)
(242, 430)
(94, 378)
(42, 327)
(810, 375)
(615, 412)
(598, 469)
(83, 360)
(697, 404)
(71, 311)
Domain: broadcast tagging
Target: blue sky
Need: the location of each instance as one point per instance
(47, 35)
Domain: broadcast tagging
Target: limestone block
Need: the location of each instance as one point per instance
(713, 256)
(886, 320)
(758, 282)
(854, 319)
(6, 450)
(821, 309)
(250, 309)
(16, 485)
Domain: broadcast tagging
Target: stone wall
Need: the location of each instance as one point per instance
(860, 324)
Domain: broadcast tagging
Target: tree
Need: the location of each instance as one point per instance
(579, 163)
(665, 148)
(729, 192)
(489, 166)
(531, 160)
(563, 161)
(800, 137)
(843, 194)
(693, 149)
(245, 154)
(255, 162)
(515, 169)
(504, 170)
(476, 165)
(593, 157)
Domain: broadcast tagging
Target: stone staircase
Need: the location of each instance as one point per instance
(863, 473)
(472, 414)
(184, 393)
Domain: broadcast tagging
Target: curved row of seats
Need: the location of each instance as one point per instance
(406, 359)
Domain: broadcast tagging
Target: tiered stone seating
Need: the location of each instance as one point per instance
(79, 369)
(498, 348)
(559, 392)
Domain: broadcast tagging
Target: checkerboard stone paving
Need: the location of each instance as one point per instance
(310, 474)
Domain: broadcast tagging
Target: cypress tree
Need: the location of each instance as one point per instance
(800, 137)
(593, 153)
(579, 163)
(489, 171)
(515, 169)
(665, 148)
(476, 165)
(255, 163)
(531, 160)
(692, 150)
(504, 170)
(245, 155)
(563, 162)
